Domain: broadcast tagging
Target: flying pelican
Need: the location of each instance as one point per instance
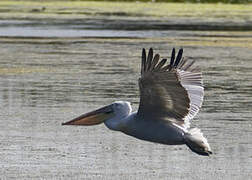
(170, 96)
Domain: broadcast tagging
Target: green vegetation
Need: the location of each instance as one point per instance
(164, 1)
(63, 9)
(186, 1)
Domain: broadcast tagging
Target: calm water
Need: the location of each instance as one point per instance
(46, 81)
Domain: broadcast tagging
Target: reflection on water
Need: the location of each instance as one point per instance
(45, 84)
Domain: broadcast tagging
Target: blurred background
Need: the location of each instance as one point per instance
(59, 59)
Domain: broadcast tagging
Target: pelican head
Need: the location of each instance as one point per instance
(112, 115)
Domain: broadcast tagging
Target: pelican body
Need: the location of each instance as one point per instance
(170, 96)
(131, 125)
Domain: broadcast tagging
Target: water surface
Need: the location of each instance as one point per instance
(48, 79)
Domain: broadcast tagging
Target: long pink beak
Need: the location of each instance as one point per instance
(92, 118)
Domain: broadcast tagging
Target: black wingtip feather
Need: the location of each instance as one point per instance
(149, 59)
(172, 57)
(153, 64)
(143, 61)
(143, 54)
(179, 56)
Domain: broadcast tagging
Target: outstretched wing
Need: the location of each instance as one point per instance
(172, 92)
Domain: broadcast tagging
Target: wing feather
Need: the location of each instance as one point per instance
(155, 61)
(149, 59)
(171, 92)
(172, 57)
(179, 56)
(143, 61)
(161, 64)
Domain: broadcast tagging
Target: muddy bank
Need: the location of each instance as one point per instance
(126, 16)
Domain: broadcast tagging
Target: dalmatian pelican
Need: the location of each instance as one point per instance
(170, 96)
